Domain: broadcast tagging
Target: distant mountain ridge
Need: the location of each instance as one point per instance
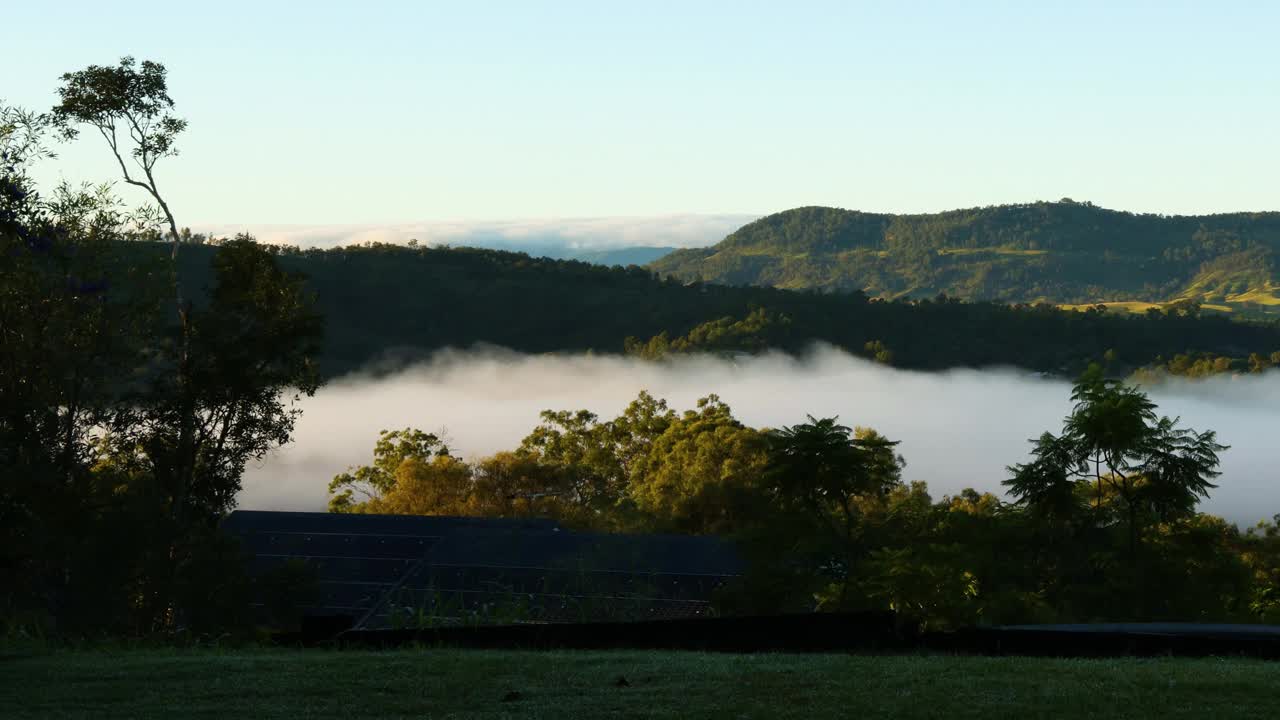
(1061, 252)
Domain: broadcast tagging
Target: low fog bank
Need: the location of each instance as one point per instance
(556, 236)
(957, 429)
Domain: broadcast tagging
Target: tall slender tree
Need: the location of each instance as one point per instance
(130, 108)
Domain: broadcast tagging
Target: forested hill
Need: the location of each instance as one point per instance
(1060, 252)
(385, 303)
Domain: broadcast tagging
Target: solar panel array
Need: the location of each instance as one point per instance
(402, 571)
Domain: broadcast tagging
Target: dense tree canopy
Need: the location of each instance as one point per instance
(1115, 451)
(250, 354)
(117, 419)
(1103, 523)
(695, 477)
(826, 471)
(74, 325)
(382, 306)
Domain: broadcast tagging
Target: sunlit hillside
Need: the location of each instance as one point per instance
(1058, 252)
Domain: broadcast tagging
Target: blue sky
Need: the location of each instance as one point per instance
(395, 112)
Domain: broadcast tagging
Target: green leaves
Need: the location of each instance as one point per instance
(696, 474)
(1113, 436)
(600, 456)
(1045, 485)
(1134, 465)
(135, 97)
(760, 330)
(394, 448)
(823, 462)
(1110, 420)
(129, 106)
(1177, 465)
(246, 356)
(829, 476)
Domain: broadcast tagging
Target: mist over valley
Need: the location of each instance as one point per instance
(958, 428)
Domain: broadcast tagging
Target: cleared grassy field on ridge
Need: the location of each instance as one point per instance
(499, 684)
(1138, 306)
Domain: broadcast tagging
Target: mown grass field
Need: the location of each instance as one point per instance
(496, 684)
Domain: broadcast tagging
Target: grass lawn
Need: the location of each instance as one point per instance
(475, 683)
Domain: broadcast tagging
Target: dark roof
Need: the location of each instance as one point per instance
(597, 552)
(242, 521)
(380, 568)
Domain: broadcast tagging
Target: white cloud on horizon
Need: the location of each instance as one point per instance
(603, 233)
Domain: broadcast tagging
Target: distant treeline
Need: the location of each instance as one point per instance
(385, 304)
(1061, 252)
(1198, 365)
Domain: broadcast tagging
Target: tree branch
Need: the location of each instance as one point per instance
(115, 150)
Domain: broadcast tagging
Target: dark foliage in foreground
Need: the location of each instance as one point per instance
(125, 427)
